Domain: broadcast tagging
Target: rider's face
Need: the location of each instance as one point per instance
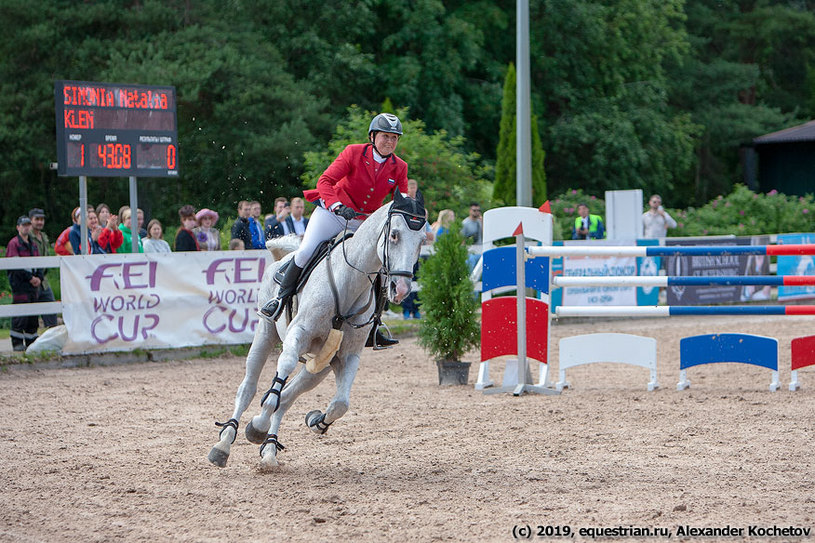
(386, 142)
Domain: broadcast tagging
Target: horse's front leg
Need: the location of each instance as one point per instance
(265, 339)
(302, 382)
(344, 372)
(295, 343)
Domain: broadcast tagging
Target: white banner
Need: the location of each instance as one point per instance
(121, 302)
(606, 266)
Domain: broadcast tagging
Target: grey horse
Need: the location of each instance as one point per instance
(335, 301)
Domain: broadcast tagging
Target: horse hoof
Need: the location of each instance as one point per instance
(253, 435)
(218, 457)
(314, 420)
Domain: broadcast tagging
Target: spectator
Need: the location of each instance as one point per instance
(472, 225)
(111, 238)
(25, 284)
(236, 245)
(94, 231)
(154, 242)
(656, 220)
(127, 235)
(63, 245)
(294, 222)
(240, 230)
(412, 188)
(140, 223)
(185, 238)
(256, 226)
(410, 305)
(442, 225)
(103, 213)
(40, 239)
(273, 226)
(209, 239)
(586, 225)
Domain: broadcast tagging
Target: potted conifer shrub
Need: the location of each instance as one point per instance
(450, 326)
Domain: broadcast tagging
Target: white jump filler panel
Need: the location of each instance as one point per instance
(618, 348)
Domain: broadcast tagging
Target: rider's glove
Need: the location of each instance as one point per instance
(347, 213)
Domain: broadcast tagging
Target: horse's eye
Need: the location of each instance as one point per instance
(394, 237)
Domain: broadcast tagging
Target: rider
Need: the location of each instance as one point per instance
(356, 183)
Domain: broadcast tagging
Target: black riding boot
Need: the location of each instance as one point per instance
(274, 307)
(376, 339)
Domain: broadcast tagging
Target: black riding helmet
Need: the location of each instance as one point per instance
(384, 122)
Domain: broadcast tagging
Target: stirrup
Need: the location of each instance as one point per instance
(379, 341)
(273, 309)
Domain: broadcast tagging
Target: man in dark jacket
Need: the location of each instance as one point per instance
(43, 244)
(240, 230)
(25, 285)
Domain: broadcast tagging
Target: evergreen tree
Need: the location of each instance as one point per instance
(504, 190)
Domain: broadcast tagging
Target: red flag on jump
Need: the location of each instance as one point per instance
(519, 230)
(545, 208)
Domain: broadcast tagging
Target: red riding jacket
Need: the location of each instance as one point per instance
(355, 179)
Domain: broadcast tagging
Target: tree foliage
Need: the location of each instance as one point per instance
(648, 94)
(505, 185)
(450, 325)
(448, 176)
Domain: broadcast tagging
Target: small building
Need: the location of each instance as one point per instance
(783, 160)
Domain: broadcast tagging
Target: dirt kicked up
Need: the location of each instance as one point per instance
(119, 453)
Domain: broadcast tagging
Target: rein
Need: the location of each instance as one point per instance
(384, 274)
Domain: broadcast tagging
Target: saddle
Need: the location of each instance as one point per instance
(319, 254)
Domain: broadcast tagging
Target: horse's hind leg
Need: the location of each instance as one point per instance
(265, 339)
(302, 382)
(344, 373)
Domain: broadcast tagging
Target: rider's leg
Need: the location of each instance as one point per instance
(323, 225)
(377, 338)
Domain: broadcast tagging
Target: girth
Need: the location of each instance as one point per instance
(319, 254)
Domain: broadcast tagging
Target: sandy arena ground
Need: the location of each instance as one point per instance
(119, 453)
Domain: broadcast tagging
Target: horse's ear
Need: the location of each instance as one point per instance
(397, 196)
(420, 198)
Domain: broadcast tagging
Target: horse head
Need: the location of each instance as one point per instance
(398, 247)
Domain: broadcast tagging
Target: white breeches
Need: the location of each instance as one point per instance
(322, 225)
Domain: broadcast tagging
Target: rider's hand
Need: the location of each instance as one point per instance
(347, 213)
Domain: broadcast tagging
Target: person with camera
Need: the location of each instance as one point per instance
(586, 225)
(656, 220)
(352, 187)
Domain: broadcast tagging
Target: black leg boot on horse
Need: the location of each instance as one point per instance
(288, 286)
(377, 339)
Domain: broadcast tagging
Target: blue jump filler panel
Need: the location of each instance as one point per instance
(499, 270)
(744, 348)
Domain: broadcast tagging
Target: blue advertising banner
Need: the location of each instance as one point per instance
(795, 265)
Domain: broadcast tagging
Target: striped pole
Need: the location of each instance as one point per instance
(668, 281)
(727, 250)
(672, 311)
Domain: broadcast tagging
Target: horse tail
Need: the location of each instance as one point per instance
(283, 245)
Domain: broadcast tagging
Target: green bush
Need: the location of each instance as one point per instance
(450, 327)
(742, 213)
(746, 213)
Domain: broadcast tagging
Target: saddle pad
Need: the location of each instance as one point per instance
(322, 250)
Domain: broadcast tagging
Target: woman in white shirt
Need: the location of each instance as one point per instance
(154, 243)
